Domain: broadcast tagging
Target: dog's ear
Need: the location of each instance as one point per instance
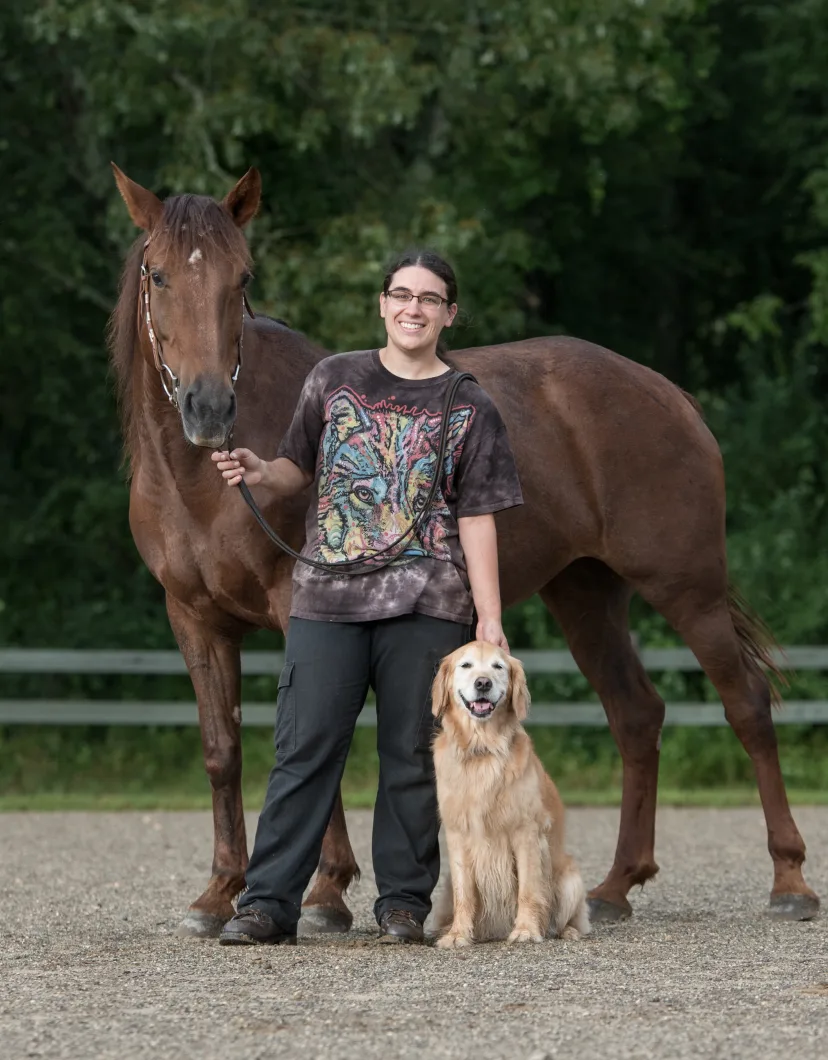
(520, 690)
(441, 689)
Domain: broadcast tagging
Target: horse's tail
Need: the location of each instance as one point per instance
(757, 641)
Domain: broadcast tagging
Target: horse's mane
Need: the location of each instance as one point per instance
(187, 222)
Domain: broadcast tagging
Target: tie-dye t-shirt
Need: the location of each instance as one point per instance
(370, 439)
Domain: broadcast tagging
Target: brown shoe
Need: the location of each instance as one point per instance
(253, 927)
(400, 925)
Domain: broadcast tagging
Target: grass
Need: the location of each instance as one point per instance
(95, 768)
(50, 802)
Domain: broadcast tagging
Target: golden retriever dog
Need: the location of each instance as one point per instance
(504, 819)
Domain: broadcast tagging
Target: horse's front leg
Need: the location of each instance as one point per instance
(215, 668)
(324, 910)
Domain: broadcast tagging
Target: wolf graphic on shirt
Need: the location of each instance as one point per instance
(376, 466)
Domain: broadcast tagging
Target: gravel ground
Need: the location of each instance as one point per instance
(90, 966)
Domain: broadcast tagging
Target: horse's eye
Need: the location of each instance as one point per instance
(157, 278)
(245, 280)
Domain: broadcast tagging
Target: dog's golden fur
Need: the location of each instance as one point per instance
(503, 816)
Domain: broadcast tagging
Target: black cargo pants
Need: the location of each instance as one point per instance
(328, 670)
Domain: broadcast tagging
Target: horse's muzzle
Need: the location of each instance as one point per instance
(208, 412)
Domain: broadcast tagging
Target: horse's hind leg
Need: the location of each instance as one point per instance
(214, 665)
(324, 910)
(591, 604)
(709, 627)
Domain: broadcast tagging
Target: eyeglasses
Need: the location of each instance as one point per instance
(401, 295)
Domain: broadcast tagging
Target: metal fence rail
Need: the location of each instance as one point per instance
(182, 712)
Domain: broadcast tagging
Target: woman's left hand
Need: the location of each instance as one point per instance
(490, 630)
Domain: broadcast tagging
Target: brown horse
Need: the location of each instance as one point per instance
(624, 492)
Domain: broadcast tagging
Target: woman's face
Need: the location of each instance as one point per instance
(415, 326)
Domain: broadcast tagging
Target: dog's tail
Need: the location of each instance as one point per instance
(570, 902)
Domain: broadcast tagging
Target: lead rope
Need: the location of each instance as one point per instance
(343, 567)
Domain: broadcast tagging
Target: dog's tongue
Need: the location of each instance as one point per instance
(481, 706)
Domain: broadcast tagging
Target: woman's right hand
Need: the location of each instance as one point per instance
(238, 465)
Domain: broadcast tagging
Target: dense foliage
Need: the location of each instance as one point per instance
(648, 174)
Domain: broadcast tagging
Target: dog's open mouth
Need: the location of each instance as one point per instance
(478, 708)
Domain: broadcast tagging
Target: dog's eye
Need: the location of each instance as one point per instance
(465, 666)
(497, 666)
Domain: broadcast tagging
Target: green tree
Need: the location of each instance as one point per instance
(649, 175)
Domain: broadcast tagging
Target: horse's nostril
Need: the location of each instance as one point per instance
(201, 403)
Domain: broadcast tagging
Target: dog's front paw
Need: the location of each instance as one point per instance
(570, 934)
(522, 934)
(453, 941)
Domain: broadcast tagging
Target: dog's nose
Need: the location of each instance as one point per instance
(482, 684)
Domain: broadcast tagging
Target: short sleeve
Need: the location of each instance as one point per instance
(301, 442)
(487, 478)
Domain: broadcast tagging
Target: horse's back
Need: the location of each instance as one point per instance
(615, 461)
(584, 384)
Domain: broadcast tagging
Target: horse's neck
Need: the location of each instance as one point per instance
(276, 364)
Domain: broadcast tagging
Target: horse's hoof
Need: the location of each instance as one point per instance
(324, 920)
(794, 906)
(602, 911)
(198, 925)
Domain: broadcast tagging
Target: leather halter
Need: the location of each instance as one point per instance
(169, 380)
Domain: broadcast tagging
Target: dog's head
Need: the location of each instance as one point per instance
(479, 683)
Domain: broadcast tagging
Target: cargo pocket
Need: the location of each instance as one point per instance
(429, 725)
(286, 711)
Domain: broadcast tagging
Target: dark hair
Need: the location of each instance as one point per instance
(426, 259)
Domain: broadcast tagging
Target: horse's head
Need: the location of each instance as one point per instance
(195, 267)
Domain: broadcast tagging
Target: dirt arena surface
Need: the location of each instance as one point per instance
(90, 966)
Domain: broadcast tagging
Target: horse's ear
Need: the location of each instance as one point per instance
(144, 206)
(242, 202)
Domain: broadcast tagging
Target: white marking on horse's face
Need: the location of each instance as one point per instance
(195, 257)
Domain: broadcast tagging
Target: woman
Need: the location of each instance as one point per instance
(366, 430)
